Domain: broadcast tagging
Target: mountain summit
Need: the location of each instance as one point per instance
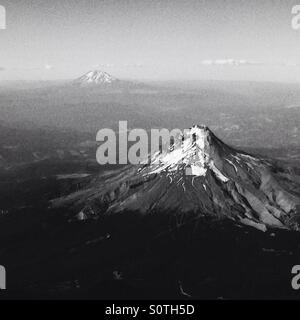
(199, 176)
(195, 152)
(96, 77)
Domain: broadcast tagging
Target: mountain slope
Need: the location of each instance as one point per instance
(199, 176)
(96, 77)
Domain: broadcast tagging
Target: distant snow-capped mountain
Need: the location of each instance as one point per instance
(96, 77)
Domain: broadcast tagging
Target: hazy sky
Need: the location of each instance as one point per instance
(150, 39)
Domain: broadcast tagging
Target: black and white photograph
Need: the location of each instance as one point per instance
(149, 150)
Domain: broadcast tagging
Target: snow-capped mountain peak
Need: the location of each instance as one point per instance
(198, 175)
(194, 152)
(97, 77)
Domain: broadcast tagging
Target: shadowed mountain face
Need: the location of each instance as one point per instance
(198, 176)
